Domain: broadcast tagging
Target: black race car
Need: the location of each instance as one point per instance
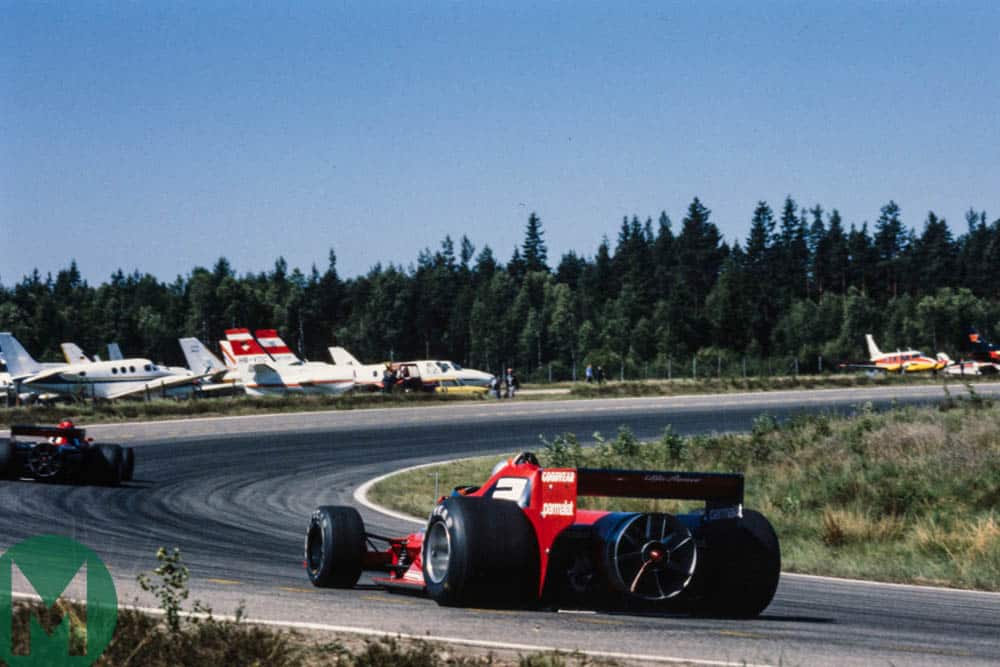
(63, 453)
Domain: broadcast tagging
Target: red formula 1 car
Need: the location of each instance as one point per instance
(63, 453)
(520, 540)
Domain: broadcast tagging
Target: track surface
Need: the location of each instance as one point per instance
(234, 494)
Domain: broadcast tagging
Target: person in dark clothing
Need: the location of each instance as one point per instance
(388, 379)
(600, 375)
(512, 384)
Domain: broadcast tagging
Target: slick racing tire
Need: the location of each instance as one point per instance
(480, 551)
(6, 458)
(128, 464)
(335, 547)
(739, 573)
(106, 465)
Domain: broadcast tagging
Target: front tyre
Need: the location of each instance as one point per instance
(128, 464)
(480, 551)
(7, 460)
(335, 547)
(105, 464)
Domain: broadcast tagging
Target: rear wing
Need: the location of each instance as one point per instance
(47, 431)
(716, 489)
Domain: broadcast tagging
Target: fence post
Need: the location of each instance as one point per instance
(718, 369)
(821, 364)
(550, 372)
(670, 370)
(744, 368)
(796, 366)
(694, 368)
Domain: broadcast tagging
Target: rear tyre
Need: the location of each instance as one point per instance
(738, 570)
(480, 551)
(128, 464)
(335, 547)
(106, 465)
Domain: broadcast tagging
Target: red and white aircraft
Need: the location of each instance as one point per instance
(268, 366)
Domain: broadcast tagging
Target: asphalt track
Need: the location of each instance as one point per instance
(235, 493)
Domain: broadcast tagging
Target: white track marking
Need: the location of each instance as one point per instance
(361, 493)
(478, 643)
(889, 584)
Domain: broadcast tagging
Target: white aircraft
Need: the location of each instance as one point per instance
(430, 371)
(219, 378)
(120, 378)
(277, 370)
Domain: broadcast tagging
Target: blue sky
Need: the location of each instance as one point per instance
(158, 136)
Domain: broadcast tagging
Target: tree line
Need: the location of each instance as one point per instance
(802, 284)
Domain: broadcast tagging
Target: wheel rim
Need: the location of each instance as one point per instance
(437, 552)
(653, 556)
(44, 461)
(314, 548)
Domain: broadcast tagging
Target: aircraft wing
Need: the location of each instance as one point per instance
(44, 375)
(862, 367)
(156, 385)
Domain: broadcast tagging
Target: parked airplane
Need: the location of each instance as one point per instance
(263, 374)
(430, 372)
(122, 378)
(904, 361)
(219, 377)
(983, 358)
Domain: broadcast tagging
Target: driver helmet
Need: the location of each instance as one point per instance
(64, 425)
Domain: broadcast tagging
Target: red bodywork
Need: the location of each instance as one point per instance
(549, 500)
(57, 435)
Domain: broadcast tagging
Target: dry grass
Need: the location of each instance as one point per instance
(909, 495)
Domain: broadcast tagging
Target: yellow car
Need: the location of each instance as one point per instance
(457, 387)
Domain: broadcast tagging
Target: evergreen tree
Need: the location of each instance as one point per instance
(891, 242)
(535, 252)
(664, 258)
(935, 254)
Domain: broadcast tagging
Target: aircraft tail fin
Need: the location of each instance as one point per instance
(227, 354)
(115, 352)
(73, 354)
(873, 350)
(342, 357)
(941, 356)
(19, 362)
(245, 348)
(275, 346)
(198, 357)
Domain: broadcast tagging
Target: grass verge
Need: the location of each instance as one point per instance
(127, 411)
(909, 495)
(143, 640)
(195, 637)
(130, 411)
(722, 385)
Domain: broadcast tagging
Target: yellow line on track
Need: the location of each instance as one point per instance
(742, 634)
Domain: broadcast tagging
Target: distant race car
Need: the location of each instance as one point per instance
(520, 540)
(64, 454)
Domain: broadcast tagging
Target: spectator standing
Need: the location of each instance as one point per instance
(589, 373)
(600, 375)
